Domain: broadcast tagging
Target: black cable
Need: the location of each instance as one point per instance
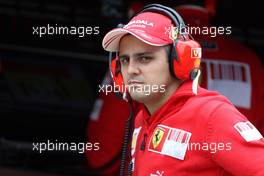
(126, 141)
(129, 172)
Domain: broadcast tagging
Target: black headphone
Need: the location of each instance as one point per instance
(181, 63)
(164, 10)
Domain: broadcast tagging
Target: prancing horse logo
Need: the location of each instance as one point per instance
(156, 139)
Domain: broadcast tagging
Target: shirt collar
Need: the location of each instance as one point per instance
(172, 105)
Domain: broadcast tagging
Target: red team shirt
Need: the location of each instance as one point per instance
(199, 134)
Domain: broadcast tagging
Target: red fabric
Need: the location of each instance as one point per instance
(108, 130)
(205, 118)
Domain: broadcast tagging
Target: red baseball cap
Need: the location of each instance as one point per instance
(149, 27)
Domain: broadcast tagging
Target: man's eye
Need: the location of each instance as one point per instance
(124, 60)
(145, 59)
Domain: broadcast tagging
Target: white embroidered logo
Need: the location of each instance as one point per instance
(248, 131)
(177, 143)
(172, 32)
(158, 173)
(139, 22)
(169, 141)
(134, 140)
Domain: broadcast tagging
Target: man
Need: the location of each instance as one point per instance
(184, 130)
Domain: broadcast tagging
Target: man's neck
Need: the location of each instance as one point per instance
(156, 104)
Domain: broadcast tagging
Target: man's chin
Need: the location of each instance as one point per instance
(139, 97)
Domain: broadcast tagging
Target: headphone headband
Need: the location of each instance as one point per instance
(167, 11)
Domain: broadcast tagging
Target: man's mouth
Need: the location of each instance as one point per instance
(134, 82)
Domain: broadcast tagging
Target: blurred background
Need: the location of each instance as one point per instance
(49, 84)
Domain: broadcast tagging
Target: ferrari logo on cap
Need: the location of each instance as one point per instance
(158, 135)
(172, 32)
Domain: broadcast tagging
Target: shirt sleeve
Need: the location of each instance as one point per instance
(239, 147)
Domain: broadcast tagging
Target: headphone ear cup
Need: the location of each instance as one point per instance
(115, 70)
(187, 59)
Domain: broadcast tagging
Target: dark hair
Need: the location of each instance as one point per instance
(168, 50)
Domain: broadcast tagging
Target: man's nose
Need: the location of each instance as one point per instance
(133, 67)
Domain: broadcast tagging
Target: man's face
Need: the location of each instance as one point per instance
(145, 69)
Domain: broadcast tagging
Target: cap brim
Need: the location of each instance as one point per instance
(112, 38)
